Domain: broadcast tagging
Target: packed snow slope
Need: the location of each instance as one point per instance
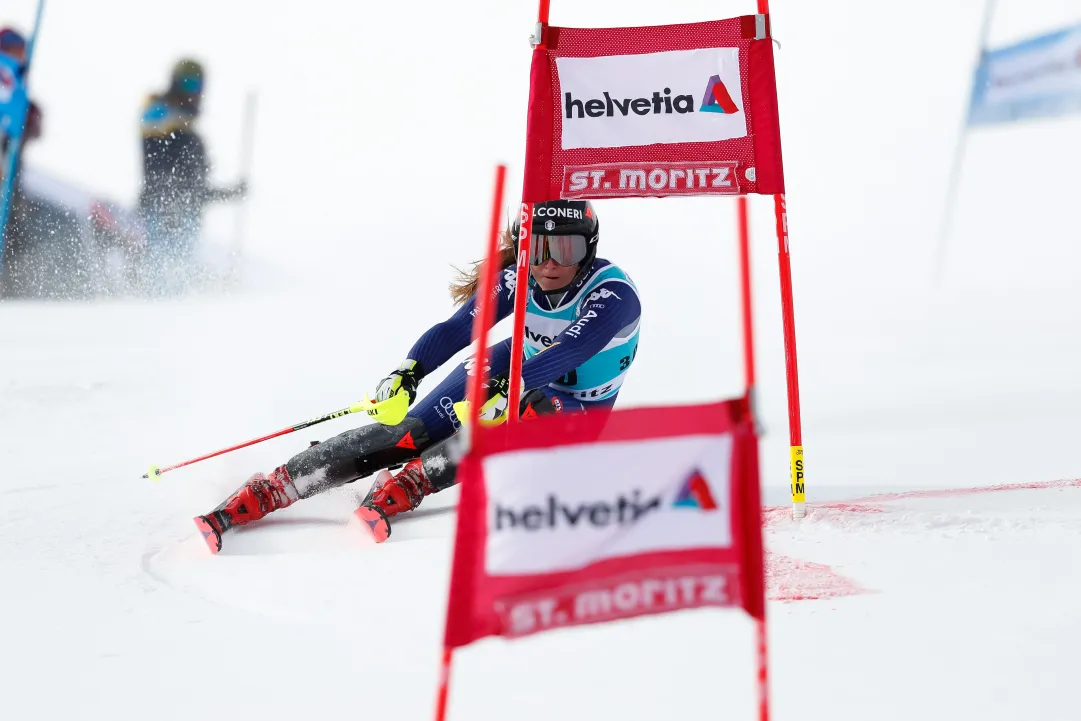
(918, 604)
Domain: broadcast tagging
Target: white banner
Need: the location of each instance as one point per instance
(563, 509)
(681, 96)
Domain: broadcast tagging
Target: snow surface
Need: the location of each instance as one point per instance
(926, 605)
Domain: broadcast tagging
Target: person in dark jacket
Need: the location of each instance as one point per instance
(176, 170)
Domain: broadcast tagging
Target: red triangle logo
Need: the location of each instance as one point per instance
(701, 493)
(407, 442)
(529, 412)
(589, 211)
(695, 493)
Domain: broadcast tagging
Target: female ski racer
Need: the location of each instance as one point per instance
(581, 337)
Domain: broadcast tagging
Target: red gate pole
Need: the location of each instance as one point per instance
(521, 288)
(745, 296)
(444, 684)
(521, 294)
(472, 430)
(794, 427)
(762, 656)
(795, 431)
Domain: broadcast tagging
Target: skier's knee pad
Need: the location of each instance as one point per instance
(356, 453)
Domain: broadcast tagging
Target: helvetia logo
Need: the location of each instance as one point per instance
(555, 513)
(717, 98)
(608, 107)
(695, 493)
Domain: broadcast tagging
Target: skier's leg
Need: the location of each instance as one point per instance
(334, 462)
(439, 463)
(365, 450)
(436, 468)
(346, 457)
(356, 453)
(436, 409)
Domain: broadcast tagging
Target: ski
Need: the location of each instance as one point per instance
(210, 534)
(375, 522)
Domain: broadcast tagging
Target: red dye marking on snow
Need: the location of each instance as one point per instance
(790, 579)
(871, 504)
(850, 507)
(947, 492)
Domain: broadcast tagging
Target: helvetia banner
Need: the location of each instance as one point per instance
(1040, 77)
(654, 111)
(572, 520)
(673, 97)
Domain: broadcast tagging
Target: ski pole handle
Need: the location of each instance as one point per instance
(363, 407)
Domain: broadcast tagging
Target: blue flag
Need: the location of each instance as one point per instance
(1038, 78)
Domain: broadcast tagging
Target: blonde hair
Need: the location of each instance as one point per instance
(464, 286)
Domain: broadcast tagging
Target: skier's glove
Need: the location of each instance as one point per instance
(494, 410)
(395, 394)
(403, 380)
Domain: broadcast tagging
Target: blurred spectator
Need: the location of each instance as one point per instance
(13, 45)
(176, 171)
(13, 49)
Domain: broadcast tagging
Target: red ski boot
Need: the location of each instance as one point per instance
(390, 495)
(256, 498)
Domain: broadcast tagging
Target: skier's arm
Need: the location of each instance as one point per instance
(443, 340)
(601, 318)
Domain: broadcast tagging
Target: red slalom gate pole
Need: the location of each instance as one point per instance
(521, 293)
(762, 655)
(485, 313)
(795, 430)
(792, 372)
(521, 288)
(444, 684)
(472, 429)
(745, 294)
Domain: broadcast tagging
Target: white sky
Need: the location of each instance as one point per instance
(355, 98)
(379, 125)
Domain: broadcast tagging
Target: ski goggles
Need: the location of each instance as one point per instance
(563, 249)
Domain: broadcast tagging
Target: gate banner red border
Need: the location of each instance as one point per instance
(655, 111)
(578, 519)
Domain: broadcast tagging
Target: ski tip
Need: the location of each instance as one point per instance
(210, 534)
(375, 522)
